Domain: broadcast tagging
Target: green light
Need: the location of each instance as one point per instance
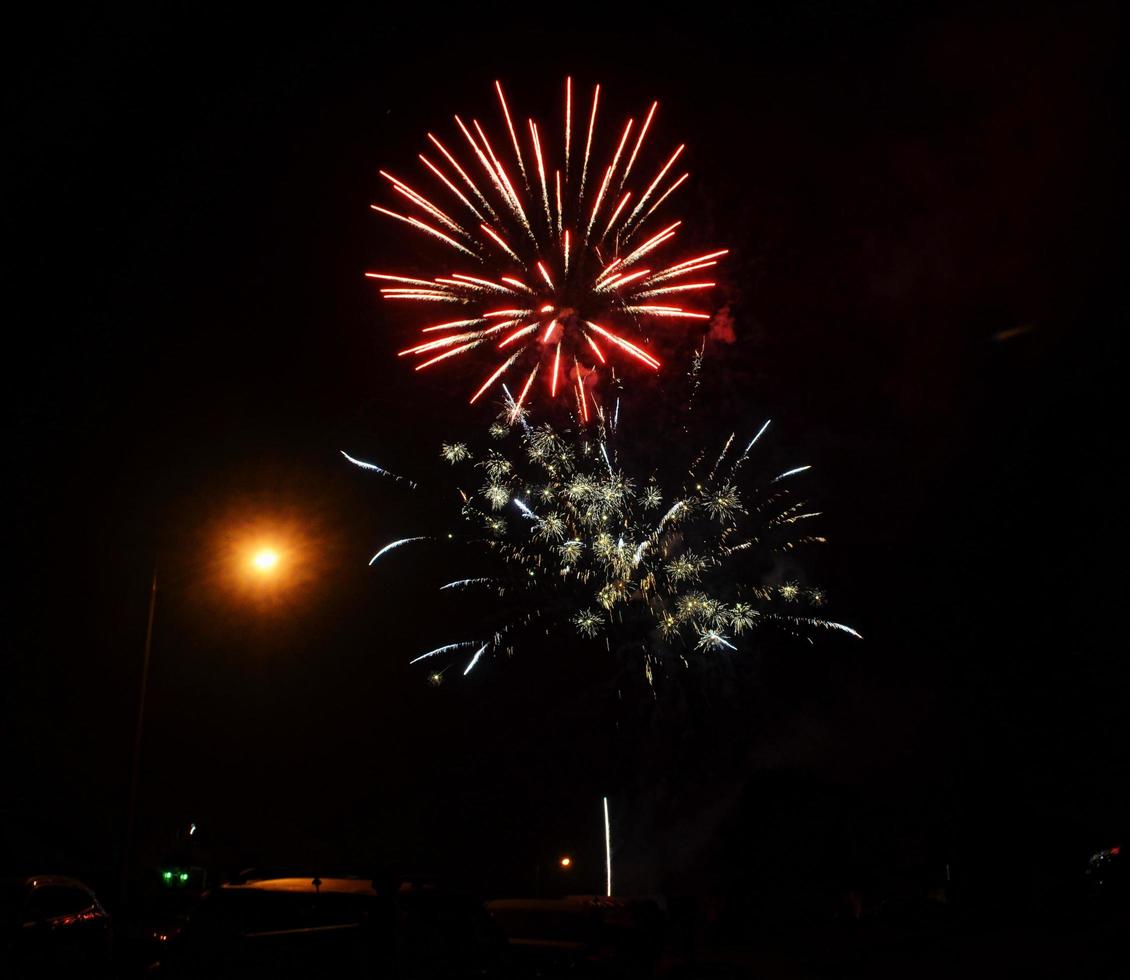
(167, 875)
(184, 876)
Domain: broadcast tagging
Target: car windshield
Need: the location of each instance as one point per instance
(52, 901)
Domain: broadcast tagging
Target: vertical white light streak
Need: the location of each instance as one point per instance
(607, 852)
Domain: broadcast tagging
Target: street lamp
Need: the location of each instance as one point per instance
(265, 562)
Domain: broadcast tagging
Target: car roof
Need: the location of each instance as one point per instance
(43, 881)
(345, 886)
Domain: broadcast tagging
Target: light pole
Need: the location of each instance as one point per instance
(264, 562)
(132, 806)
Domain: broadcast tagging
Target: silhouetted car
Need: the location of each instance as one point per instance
(333, 927)
(52, 926)
(581, 935)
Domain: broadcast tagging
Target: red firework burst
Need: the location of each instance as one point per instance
(559, 276)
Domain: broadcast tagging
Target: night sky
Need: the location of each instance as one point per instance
(924, 210)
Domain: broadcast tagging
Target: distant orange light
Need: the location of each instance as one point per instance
(266, 559)
(566, 862)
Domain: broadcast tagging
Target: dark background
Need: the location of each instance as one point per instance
(925, 210)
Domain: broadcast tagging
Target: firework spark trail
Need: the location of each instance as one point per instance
(427, 229)
(499, 371)
(454, 352)
(604, 453)
(722, 455)
(615, 214)
(526, 512)
(595, 349)
(440, 343)
(792, 472)
(838, 626)
(604, 184)
(525, 391)
(683, 268)
(581, 394)
(417, 198)
(557, 241)
(625, 345)
(513, 135)
(556, 370)
(673, 512)
(517, 334)
(462, 645)
(450, 186)
(663, 197)
(822, 623)
(639, 143)
(475, 659)
(568, 121)
(466, 177)
(516, 205)
(464, 583)
(453, 324)
(541, 170)
(377, 469)
(646, 196)
(557, 194)
(486, 164)
(588, 142)
(652, 243)
(668, 290)
(382, 276)
(396, 544)
(745, 452)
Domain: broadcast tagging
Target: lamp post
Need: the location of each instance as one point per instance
(131, 810)
(264, 562)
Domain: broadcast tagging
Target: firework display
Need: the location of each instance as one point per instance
(585, 548)
(557, 269)
(553, 264)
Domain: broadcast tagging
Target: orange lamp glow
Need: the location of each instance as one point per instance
(265, 560)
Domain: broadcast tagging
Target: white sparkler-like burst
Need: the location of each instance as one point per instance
(585, 547)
